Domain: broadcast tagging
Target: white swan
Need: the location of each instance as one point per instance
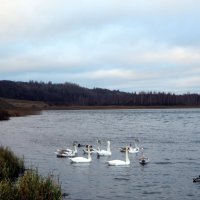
(66, 152)
(134, 149)
(105, 152)
(120, 162)
(82, 159)
(131, 149)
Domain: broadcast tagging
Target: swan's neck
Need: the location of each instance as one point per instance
(75, 149)
(108, 146)
(126, 158)
(135, 144)
(142, 153)
(89, 156)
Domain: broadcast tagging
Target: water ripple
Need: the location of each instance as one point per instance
(170, 139)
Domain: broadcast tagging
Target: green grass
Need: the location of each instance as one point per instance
(29, 186)
(8, 190)
(10, 165)
(34, 187)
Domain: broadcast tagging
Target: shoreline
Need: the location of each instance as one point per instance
(74, 107)
(19, 108)
(22, 112)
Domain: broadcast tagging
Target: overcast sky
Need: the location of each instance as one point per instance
(130, 45)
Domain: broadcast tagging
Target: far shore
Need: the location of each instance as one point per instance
(20, 112)
(26, 106)
(20, 108)
(78, 107)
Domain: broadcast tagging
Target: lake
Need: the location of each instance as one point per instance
(170, 137)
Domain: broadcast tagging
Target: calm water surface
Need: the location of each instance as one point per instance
(171, 139)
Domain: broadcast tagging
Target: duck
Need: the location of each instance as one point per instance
(120, 162)
(82, 159)
(143, 159)
(105, 152)
(80, 145)
(196, 179)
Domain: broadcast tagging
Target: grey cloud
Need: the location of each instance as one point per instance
(77, 39)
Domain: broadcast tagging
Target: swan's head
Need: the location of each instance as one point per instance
(89, 148)
(98, 141)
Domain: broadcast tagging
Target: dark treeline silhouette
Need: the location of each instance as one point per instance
(73, 94)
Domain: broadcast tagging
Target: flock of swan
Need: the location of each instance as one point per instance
(71, 154)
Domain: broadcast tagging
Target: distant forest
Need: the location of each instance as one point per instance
(73, 94)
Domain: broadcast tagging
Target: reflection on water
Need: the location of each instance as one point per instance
(170, 139)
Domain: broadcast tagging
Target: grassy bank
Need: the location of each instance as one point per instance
(16, 108)
(77, 107)
(10, 165)
(17, 112)
(18, 184)
(4, 115)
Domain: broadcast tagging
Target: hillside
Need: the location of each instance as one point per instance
(14, 107)
(69, 94)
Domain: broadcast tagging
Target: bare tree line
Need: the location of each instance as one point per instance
(73, 94)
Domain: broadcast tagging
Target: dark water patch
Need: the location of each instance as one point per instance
(122, 179)
(163, 163)
(168, 142)
(166, 174)
(190, 195)
(190, 163)
(139, 186)
(196, 141)
(166, 121)
(193, 150)
(190, 158)
(136, 189)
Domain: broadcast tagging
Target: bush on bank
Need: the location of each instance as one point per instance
(34, 187)
(10, 165)
(30, 186)
(4, 115)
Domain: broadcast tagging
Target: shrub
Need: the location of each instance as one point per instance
(30, 186)
(10, 165)
(34, 187)
(4, 115)
(8, 190)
